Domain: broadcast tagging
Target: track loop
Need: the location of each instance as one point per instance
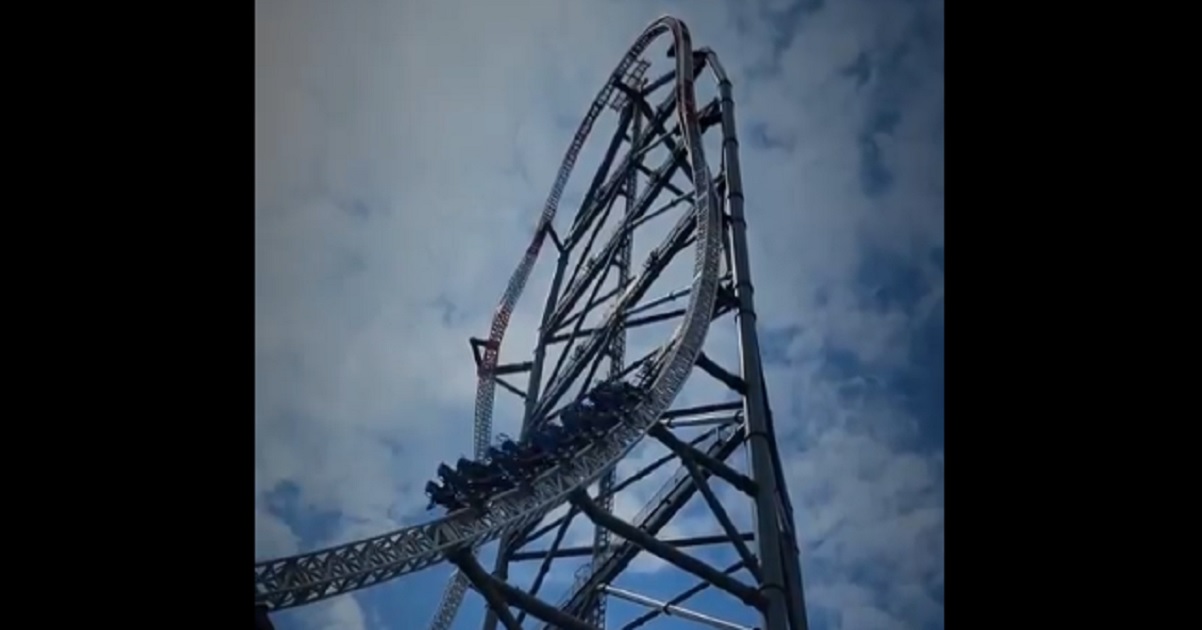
(317, 575)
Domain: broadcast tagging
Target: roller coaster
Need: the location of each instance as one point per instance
(512, 464)
(511, 485)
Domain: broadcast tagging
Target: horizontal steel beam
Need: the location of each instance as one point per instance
(680, 543)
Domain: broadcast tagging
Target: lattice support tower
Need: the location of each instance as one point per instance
(595, 317)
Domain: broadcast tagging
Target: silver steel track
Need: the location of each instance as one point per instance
(309, 577)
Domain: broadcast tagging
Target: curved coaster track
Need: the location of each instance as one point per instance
(588, 321)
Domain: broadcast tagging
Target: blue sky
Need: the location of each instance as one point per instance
(403, 150)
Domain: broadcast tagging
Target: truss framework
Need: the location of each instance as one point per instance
(713, 223)
(773, 583)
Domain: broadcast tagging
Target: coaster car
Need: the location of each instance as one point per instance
(442, 496)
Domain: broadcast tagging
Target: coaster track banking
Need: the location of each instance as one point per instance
(309, 577)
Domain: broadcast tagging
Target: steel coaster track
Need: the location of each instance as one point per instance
(313, 576)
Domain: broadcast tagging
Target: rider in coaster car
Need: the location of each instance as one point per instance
(534, 455)
(485, 477)
(574, 418)
(588, 422)
(449, 476)
(603, 396)
(506, 462)
(446, 494)
(615, 395)
(524, 462)
(474, 482)
(554, 440)
(441, 495)
(470, 469)
(461, 478)
(595, 421)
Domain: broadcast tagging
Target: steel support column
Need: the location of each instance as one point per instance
(785, 608)
(665, 551)
(720, 469)
(471, 568)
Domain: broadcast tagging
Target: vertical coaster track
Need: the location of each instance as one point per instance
(316, 575)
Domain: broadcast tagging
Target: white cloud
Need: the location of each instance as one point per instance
(403, 150)
(342, 613)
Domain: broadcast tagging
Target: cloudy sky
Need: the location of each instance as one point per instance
(403, 152)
